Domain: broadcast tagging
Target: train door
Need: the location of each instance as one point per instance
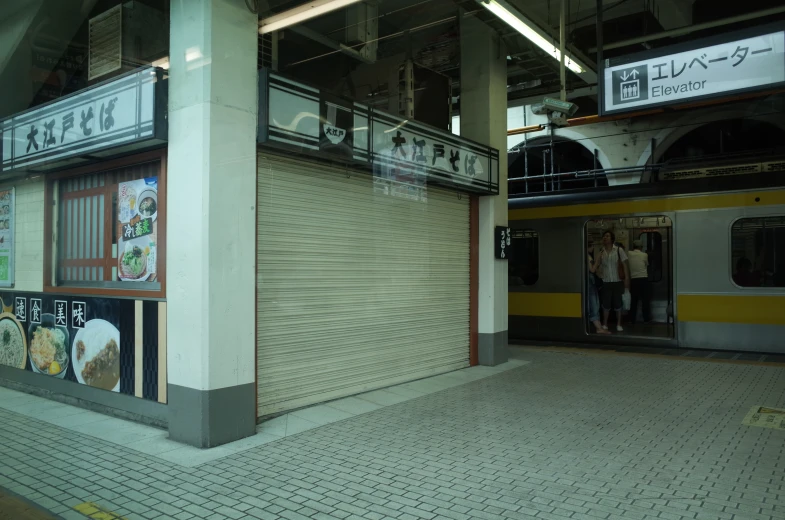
(647, 307)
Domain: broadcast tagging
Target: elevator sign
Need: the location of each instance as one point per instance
(713, 69)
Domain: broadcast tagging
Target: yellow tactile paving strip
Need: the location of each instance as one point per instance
(97, 512)
(15, 508)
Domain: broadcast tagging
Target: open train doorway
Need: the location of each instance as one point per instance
(629, 277)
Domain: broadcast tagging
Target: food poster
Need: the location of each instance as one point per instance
(75, 339)
(7, 238)
(137, 221)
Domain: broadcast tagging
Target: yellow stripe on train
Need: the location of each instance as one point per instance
(757, 310)
(563, 305)
(655, 205)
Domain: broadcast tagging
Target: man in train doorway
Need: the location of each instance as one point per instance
(639, 283)
(615, 274)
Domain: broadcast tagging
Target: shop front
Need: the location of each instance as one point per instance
(83, 245)
(366, 247)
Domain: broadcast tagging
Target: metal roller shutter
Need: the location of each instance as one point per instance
(355, 290)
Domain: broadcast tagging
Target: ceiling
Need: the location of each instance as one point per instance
(427, 30)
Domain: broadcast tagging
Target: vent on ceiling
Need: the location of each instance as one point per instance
(105, 43)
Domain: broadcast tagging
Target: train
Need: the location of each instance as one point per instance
(716, 263)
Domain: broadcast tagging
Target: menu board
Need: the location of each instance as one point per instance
(7, 238)
(137, 230)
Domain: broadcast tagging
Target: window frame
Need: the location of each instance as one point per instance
(50, 237)
(759, 288)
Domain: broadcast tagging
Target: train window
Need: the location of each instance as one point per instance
(524, 261)
(758, 252)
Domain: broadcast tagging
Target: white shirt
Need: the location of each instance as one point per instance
(639, 261)
(610, 264)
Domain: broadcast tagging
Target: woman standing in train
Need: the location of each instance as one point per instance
(615, 274)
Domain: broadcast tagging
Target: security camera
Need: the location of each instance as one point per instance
(562, 107)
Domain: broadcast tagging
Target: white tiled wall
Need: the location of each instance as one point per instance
(29, 236)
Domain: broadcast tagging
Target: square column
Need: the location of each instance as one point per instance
(211, 229)
(484, 119)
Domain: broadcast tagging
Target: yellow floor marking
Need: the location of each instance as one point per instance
(96, 512)
(765, 417)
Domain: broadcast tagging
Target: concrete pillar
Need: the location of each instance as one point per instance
(212, 221)
(484, 119)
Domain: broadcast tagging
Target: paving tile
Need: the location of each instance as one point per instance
(554, 435)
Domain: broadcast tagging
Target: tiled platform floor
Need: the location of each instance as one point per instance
(570, 435)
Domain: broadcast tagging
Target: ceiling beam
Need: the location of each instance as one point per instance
(328, 42)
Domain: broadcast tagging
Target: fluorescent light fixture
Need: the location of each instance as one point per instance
(517, 22)
(301, 13)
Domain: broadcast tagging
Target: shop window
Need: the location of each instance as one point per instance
(758, 252)
(524, 262)
(110, 230)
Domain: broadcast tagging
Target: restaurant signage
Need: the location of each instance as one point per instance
(703, 69)
(123, 113)
(298, 117)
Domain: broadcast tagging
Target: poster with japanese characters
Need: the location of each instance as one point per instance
(74, 339)
(7, 238)
(137, 230)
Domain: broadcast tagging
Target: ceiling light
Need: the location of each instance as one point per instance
(526, 28)
(301, 13)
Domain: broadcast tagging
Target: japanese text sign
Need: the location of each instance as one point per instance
(108, 115)
(407, 153)
(411, 147)
(502, 243)
(708, 71)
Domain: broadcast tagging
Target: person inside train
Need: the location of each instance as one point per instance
(744, 275)
(640, 289)
(615, 274)
(593, 298)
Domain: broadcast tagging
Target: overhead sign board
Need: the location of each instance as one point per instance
(123, 112)
(720, 66)
(299, 117)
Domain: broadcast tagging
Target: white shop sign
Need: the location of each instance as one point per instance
(720, 69)
(109, 115)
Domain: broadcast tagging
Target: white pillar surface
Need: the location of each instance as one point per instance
(211, 198)
(484, 119)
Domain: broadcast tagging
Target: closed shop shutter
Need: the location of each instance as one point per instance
(355, 290)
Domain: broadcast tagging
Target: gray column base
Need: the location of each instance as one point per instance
(209, 418)
(492, 348)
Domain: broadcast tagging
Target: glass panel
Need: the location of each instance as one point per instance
(72, 238)
(88, 225)
(65, 225)
(114, 272)
(81, 229)
(95, 273)
(524, 260)
(758, 252)
(100, 273)
(96, 216)
(101, 226)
